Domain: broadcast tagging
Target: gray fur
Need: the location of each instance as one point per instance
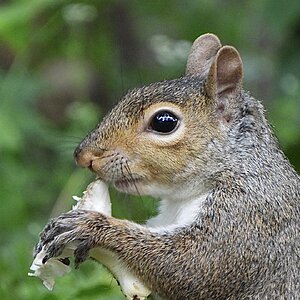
(244, 243)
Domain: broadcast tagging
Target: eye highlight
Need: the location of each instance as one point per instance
(163, 122)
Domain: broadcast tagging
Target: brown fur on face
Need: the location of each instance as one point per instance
(122, 148)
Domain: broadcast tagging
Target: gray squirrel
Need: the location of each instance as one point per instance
(229, 216)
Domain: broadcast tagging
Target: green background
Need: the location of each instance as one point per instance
(64, 64)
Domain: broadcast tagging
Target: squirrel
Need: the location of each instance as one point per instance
(229, 215)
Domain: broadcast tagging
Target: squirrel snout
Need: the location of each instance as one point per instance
(84, 158)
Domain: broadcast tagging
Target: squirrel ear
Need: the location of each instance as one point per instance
(225, 77)
(203, 51)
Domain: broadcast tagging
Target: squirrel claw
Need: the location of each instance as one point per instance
(69, 228)
(56, 247)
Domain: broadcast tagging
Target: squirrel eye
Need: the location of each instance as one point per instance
(163, 122)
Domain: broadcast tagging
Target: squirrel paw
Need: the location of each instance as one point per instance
(76, 227)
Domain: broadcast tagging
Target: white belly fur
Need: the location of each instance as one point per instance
(172, 215)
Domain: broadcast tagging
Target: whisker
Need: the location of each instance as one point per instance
(127, 168)
(106, 169)
(70, 142)
(65, 146)
(112, 175)
(72, 137)
(120, 172)
(124, 203)
(110, 155)
(61, 139)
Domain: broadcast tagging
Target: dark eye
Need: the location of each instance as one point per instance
(164, 122)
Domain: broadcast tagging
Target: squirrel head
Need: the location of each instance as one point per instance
(161, 139)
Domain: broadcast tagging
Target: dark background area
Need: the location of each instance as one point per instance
(64, 64)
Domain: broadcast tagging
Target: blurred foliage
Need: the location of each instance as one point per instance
(62, 66)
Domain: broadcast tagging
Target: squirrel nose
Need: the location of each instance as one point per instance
(83, 157)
